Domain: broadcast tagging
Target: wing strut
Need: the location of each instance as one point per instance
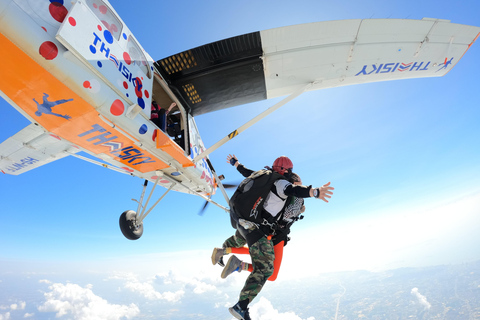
(98, 163)
(217, 179)
(248, 124)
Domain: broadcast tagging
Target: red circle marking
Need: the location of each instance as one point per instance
(103, 9)
(117, 108)
(125, 84)
(147, 95)
(127, 58)
(99, 27)
(86, 84)
(72, 21)
(106, 24)
(48, 50)
(161, 181)
(57, 11)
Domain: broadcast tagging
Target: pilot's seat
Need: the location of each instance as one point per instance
(174, 129)
(158, 116)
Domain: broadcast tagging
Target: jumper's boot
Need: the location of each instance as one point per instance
(217, 256)
(233, 264)
(239, 313)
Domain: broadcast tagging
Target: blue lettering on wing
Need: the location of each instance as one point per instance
(394, 67)
(25, 162)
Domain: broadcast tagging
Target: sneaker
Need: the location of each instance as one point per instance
(217, 256)
(221, 263)
(239, 313)
(233, 264)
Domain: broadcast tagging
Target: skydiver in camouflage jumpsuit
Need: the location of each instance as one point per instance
(257, 237)
(293, 209)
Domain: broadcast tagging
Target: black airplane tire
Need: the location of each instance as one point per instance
(127, 225)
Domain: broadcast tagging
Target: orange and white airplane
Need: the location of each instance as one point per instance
(74, 69)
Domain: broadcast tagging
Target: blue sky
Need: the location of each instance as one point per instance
(403, 157)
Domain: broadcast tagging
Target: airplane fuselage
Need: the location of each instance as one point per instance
(77, 72)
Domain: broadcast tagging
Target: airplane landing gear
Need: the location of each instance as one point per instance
(131, 222)
(131, 228)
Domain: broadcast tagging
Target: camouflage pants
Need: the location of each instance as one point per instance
(235, 241)
(263, 256)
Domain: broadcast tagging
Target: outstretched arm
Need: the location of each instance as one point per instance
(232, 159)
(63, 101)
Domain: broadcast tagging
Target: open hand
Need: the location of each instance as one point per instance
(235, 160)
(325, 192)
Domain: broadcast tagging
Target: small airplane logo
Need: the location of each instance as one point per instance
(445, 64)
(46, 107)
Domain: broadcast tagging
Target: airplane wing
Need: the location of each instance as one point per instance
(277, 62)
(31, 148)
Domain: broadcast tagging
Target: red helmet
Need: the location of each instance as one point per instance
(282, 164)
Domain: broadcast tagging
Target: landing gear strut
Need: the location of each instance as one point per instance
(131, 222)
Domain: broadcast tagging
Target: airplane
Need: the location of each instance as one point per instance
(82, 79)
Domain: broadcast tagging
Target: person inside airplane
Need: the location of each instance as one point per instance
(159, 115)
(174, 128)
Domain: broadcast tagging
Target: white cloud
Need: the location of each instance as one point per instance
(169, 286)
(200, 287)
(5, 316)
(421, 298)
(263, 310)
(20, 306)
(83, 304)
(44, 281)
(145, 287)
(28, 315)
(13, 307)
(148, 291)
(197, 284)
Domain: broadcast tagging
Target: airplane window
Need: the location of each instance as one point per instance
(137, 56)
(106, 16)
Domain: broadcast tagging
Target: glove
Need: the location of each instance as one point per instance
(233, 161)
